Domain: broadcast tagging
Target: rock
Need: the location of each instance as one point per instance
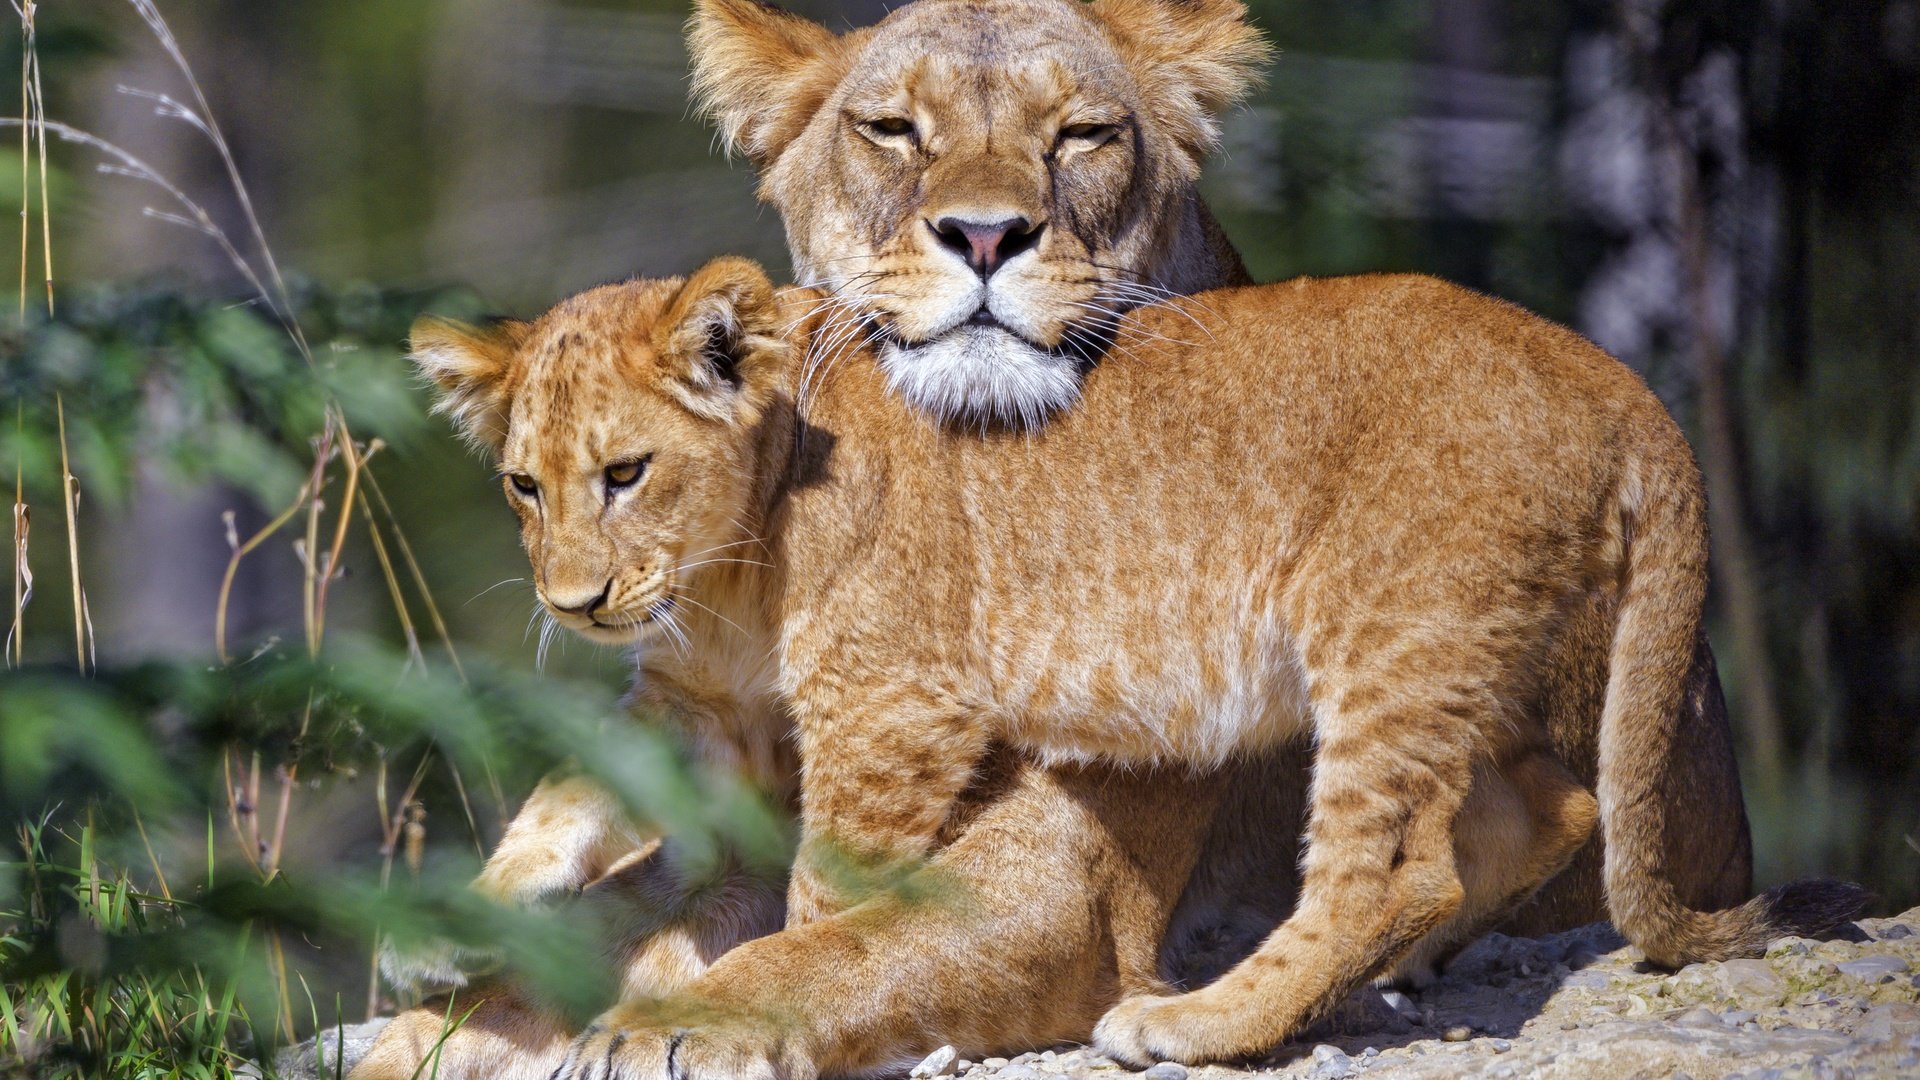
(1586, 980)
(995, 1063)
(1019, 1072)
(1885, 1022)
(1874, 969)
(939, 1063)
(1699, 1015)
(1752, 982)
(333, 1052)
(1401, 1004)
(1166, 1070)
(1457, 1033)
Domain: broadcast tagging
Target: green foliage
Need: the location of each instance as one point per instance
(202, 391)
(131, 936)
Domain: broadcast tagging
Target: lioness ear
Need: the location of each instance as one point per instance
(720, 338)
(468, 366)
(760, 73)
(1196, 59)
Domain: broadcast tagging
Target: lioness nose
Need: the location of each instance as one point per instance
(986, 245)
(578, 603)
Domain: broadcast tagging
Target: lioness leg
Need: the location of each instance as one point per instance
(491, 1029)
(569, 832)
(1519, 827)
(1046, 907)
(666, 928)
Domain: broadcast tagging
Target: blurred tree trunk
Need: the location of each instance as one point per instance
(153, 569)
(1656, 151)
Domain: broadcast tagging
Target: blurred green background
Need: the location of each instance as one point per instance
(1725, 193)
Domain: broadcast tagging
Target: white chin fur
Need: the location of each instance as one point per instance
(982, 373)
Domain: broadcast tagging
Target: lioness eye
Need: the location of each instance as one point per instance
(524, 484)
(889, 127)
(625, 473)
(1089, 134)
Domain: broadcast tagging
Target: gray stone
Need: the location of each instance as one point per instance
(939, 1063)
(1166, 1070)
(1874, 969)
(333, 1052)
(1401, 1003)
(1586, 980)
(995, 1063)
(1752, 981)
(1886, 1022)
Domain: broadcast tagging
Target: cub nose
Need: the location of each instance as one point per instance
(578, 603)
(986, 245)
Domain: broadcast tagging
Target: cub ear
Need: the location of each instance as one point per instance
(720, 338)
(1195, 58)
(760, 73)
(468, 367)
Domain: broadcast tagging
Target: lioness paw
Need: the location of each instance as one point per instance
(435, 966)
(635, 1043)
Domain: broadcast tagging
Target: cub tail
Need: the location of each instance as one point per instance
(1662, 526)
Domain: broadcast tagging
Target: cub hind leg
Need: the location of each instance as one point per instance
(1521, 825)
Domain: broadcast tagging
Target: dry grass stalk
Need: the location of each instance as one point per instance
(70, 502)
(402, 825)
(22, 568)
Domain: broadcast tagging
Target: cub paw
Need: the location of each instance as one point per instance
(1189, 1028)
(639, 1042)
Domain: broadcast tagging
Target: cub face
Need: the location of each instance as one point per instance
(622, 424)
(986, 183)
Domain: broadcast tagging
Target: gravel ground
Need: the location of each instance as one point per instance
(1580, 1006)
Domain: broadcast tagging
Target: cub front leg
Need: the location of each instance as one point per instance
(880, 773)
(1379, 875)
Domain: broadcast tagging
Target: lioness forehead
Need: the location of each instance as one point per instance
(987, 35)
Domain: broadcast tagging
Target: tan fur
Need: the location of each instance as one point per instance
(1377, 548)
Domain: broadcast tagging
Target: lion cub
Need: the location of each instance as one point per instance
(1369, 512)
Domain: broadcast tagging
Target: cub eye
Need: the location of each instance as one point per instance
(888, 127)
(524, 484)
(1089, 135)
(625, 473)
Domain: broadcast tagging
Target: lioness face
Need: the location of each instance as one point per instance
(621, 422)
(986, 185)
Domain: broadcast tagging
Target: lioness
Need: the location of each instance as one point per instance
(1372, 538)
